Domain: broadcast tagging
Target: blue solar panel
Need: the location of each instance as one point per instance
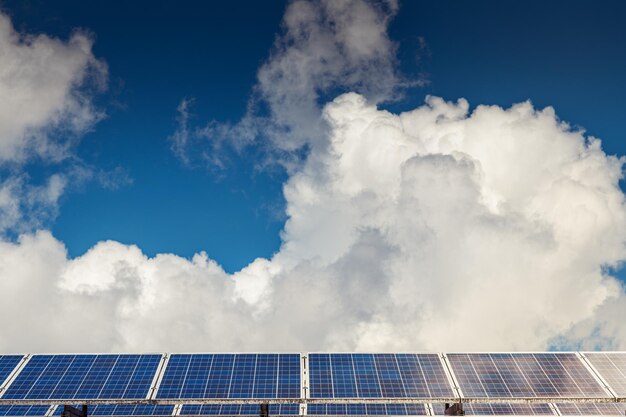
(7, 365)
(367, 409)
(239, 409)
(348, 375)
(524, 375)
(129, 410)
(500, 409)
(85, 377)
(23, 410)
(231, 376)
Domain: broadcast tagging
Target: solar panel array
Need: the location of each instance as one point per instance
(340, 384)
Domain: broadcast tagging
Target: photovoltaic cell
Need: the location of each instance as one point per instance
(612, 367)
(524, 375)
(477, 409)
(367, 409)
(7, 365)
(345, 375)
(23, 410)
(590, 409)
(239, 409)
(75, 377)
(231, 376)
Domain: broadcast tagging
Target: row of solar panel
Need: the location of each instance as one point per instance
(565, 409)
(207, 376)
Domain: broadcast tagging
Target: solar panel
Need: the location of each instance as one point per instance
(599, 409)
(612, 368)
(476, 409)
(84, 377)
(128, 410)
(524, 375)
(7, 365)
(239, 409)
(23, 410)
(367, 409)
(231, 376)
(359, 375)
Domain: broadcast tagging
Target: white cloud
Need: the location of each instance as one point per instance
(39, 85)
(325, 47)
(432, 229)
(44, 110)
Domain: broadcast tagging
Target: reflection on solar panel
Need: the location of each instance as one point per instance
(361, 375)
(7, 364)
(367, 409)
(606, 409)
(231, 376)
(524, 375)
(84, 377)
(500, 409)
(612, 368)
(239, 409)
(23, 410)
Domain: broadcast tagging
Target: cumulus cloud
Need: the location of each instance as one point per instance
(325, 47)
(42, 105)
(438, 228)
(45, 108)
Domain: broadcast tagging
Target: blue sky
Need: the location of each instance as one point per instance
(564, 54)
(323, 170)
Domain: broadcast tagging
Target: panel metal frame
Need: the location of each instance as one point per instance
(304, 382)
(158, 377)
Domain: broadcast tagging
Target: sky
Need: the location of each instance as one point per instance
(312, 175)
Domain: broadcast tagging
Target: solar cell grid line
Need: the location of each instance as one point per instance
(524, 375)
(591, 409)
(611, 366)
